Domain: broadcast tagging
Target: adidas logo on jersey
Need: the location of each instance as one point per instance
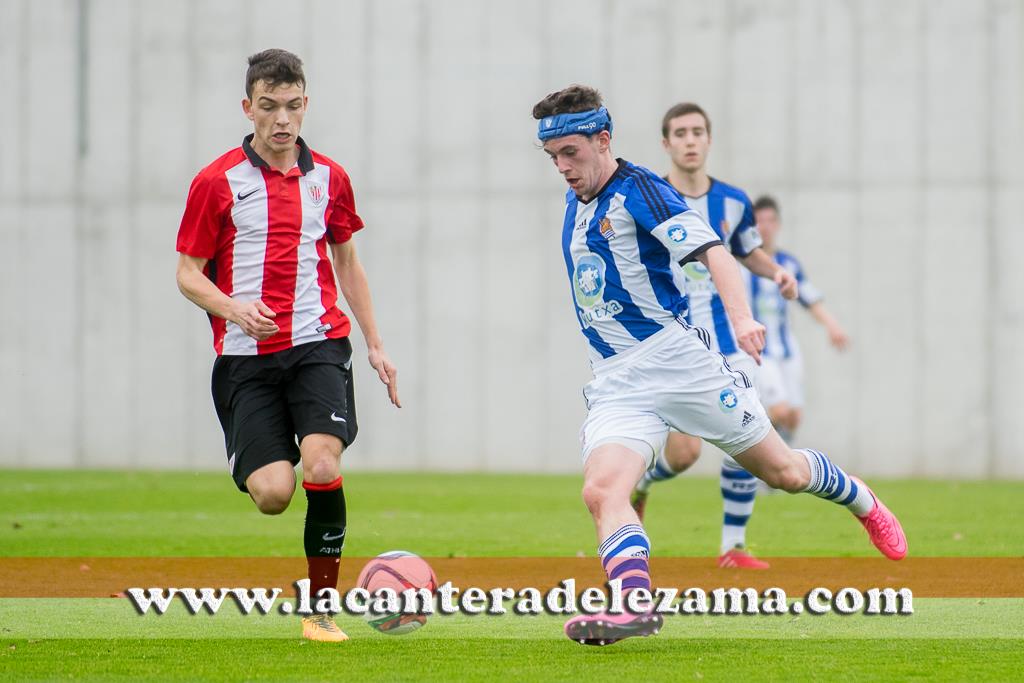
(747, 419)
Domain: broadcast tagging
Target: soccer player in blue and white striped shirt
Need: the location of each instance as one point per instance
(686, 137)
(780, 382)
(624, 227)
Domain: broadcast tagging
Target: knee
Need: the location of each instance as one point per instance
(790, 477)
(681, 458)
(681, 452)
(595, 496)
(321, 459)
(780, 415)
(272, 499)
(321, 470)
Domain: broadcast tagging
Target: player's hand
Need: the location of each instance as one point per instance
(387, 373)
(750, 337)
(255, 319)
(787, 283)
(838, 337)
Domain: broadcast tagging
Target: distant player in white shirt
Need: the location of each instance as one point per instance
(623, 228)
(686, 137)
(780, 383)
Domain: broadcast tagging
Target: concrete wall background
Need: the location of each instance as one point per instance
(890, 132)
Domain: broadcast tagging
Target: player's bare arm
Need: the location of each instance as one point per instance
(254, 317)
(760, 263)
(726, 276)
(356, 290)
(836, 334)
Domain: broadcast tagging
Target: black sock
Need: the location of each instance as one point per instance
(324, 535)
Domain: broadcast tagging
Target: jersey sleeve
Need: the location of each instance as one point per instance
(659, 210)
(745, 237)
(343, 220)
(203, 218)
(806, 293)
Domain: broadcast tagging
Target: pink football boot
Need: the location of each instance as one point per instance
(883, 528)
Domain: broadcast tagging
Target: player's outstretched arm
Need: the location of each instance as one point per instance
(254, 317)
(356, 289)
(836, 333)
(726, 276)
(760, 263)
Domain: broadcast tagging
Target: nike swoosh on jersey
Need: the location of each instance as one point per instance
(335, 418)
(243, 197)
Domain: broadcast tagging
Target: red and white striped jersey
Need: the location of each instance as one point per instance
(265, 234)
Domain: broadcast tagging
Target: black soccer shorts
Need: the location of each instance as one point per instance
(268, 404)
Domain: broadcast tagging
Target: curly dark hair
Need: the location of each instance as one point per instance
(274, 67)
(575, 98)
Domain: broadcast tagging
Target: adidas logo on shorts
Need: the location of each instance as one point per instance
(747, 419)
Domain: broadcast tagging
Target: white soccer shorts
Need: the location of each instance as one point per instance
(781, 381)
(671, 380)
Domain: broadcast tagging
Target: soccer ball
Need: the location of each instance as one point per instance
(399, 571)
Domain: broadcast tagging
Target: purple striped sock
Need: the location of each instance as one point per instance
(624, 556)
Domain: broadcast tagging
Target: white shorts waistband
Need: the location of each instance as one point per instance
(640, 350)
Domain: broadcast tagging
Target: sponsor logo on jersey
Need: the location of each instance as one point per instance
(728, 400)
(677, 233)
(588, 282)
(596, 314)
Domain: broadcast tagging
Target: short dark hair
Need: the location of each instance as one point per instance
(575, 98)
(682, 109)
(766, 202)
(274, 67)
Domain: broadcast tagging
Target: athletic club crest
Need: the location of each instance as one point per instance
(317, 193)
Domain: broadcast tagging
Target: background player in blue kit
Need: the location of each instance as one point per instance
(781, 380)
(623, 228)
(686, 137)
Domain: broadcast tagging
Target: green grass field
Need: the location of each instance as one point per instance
(54, 514)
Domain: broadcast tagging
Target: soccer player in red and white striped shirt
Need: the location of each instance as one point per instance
(261, 224)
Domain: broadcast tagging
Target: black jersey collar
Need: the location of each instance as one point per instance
(618, 171)
(305, 156)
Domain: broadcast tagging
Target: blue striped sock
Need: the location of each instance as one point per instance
(739, 489)
(624, 556)
(660, 472)
(830, 482)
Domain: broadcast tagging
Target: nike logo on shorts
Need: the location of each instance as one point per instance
(335, 418)
(328, 537)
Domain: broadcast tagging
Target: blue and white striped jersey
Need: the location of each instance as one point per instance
(771, 310)
(618, 248)
(729, 211)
